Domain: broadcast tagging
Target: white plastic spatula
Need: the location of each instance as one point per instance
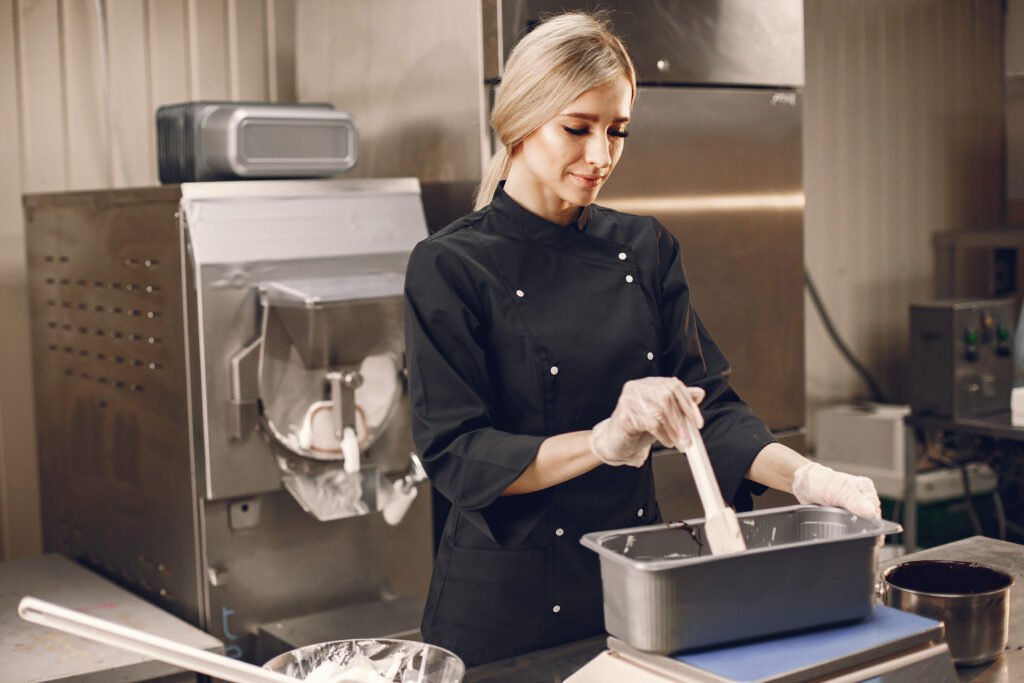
(71, 621)
(721, 527)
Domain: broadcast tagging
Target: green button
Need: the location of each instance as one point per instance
(971, 337)
(1003, 333)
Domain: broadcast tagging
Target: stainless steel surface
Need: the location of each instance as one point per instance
(292, 565)
(237, 240)
(921, 656)
(664, 593)
(175, 490)
(116, 482)
(226, 466)
(274, 140)
(972, 601)
(721, 169)
(952, 374)
(140, 642)
(692, 41)
(397, 618)
(310, 235)
(558, 663)
(396, 661)
(338, 320)
(204, 141)
(32, 653)
(1008, 557)
(244, 389)
(360, 360)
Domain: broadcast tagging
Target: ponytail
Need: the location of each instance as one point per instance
(497, 169)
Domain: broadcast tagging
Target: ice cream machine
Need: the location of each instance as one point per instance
(221, 396)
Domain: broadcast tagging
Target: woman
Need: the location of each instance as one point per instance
(550, 343)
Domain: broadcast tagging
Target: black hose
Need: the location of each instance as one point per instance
(876, 393)
(969, 499)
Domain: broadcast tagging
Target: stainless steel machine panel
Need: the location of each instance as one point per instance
(156, 469)
(721, 169)
(268, 560)
(961, 357)
(728, 42)
(236, 241)
(117, 485)
(240, 467)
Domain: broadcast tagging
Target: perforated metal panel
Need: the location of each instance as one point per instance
(111, 404)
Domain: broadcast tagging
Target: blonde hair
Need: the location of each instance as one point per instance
(562, 58)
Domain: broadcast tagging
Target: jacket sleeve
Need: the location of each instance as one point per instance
(469, 461)
(732, 433)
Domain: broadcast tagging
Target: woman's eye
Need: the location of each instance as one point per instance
(584, 131)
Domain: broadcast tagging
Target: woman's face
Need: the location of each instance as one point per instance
(562, 165)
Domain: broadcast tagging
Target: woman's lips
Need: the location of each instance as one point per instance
(588, 181)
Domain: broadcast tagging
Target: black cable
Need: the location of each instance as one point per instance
(1000, 515)
(969, 499)
(876, 393)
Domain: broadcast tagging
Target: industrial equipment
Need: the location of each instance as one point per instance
(221, 401)
(961, 357)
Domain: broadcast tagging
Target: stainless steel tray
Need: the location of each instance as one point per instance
(804, 566)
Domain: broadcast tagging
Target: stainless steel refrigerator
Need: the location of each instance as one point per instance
(715, 154)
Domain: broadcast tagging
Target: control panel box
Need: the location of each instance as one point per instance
(961, 357)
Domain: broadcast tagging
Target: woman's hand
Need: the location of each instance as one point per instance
(648, 410)
(815, 483)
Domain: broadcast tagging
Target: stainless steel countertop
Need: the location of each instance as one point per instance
(1002, 555)
(29, 652)
(558, 663)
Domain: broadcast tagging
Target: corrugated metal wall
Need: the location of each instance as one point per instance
(411, 75)
(56, 134)
(1015, 111)
(903, 138)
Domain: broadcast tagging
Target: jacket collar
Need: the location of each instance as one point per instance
(532, 227)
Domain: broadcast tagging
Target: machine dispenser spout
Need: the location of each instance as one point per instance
(394, 501)
(343, 388)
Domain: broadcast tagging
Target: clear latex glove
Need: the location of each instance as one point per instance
(648, 410)
(815, 483)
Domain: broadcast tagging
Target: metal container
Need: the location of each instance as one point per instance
(804, 566)
(972, 600)
(400, 661)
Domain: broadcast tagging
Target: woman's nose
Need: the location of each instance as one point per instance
(599, 152)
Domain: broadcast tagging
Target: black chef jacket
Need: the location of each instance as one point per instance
(518, 329)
